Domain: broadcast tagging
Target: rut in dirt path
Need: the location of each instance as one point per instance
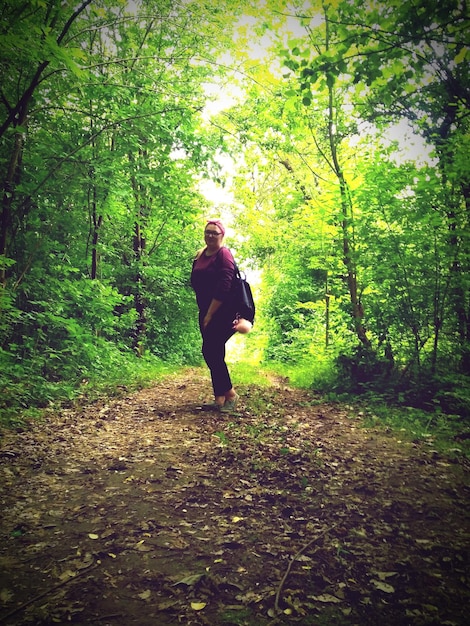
(146, 510)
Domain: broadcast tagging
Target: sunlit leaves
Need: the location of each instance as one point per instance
(110, 142)
(379, 63)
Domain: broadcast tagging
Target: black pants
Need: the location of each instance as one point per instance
(214, 337)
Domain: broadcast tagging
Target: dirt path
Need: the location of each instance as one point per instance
(148, 511)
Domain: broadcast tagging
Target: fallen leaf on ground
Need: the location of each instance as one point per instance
(381, 586)
(326, 597)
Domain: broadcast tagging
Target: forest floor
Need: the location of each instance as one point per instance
(146, 510)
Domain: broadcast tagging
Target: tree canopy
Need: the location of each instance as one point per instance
(361, 244)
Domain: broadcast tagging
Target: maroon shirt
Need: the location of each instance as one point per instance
(211, 278)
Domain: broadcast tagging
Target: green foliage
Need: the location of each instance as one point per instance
(103, 145)
(442, 432)
(66, 331)
(432, 411)
(326, 194)
(246, 373)
(26, 392)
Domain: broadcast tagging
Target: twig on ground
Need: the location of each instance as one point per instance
(292, 561)
(47, 592)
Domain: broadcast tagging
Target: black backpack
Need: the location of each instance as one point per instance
(242, 297)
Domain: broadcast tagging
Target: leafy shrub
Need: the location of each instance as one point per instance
(362, 370)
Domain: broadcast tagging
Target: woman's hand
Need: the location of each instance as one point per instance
(241, 325)
(214, 306)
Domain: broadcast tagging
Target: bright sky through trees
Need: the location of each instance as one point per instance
(258, 50)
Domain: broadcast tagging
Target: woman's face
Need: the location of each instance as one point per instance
(212, 236)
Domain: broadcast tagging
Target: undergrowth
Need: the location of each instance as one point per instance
(441, 423)
(444, 433)
(29, 395)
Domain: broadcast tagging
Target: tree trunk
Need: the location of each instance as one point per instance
(97, 222)
(11, 180)
(348, 238)
(347, 225)
(17, 117)
(327, 312)
(139, 297)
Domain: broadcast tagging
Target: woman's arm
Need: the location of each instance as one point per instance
(226, 271)
(213, 307)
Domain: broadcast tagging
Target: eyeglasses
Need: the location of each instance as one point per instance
(212, 233)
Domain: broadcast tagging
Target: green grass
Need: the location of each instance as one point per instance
(29, 395)
(249, 374)
(436, 429)
(444, 433)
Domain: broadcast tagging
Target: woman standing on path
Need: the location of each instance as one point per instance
(211, 279)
